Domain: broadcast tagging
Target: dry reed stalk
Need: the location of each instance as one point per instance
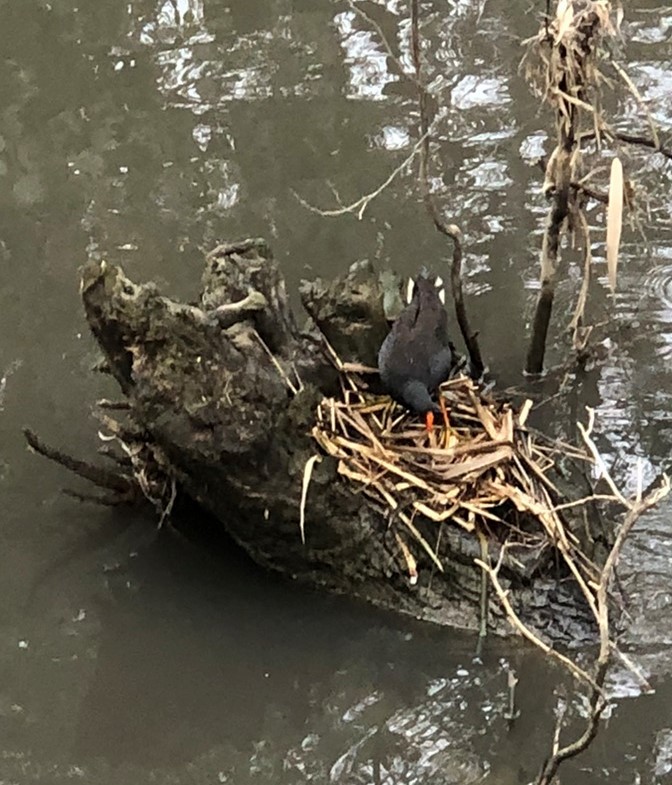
(562, 65)
(614, 220)
(489, 464)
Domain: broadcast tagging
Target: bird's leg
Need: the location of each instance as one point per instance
(446, 421)
(429, 426)
(444, 411)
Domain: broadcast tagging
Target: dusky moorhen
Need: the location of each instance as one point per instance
(416, 356)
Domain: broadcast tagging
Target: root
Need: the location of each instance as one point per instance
(119, 484)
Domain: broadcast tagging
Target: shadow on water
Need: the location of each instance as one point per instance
(188, 660)
(198, 651)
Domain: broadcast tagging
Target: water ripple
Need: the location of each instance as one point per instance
(475, 90)
(657, 33)
(367, 64)
(658, 287)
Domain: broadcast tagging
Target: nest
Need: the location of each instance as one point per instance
(481, 469)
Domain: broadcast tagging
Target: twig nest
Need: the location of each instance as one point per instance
(480, 469)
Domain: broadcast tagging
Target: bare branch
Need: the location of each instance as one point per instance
(527, 633)
(103, 478)
(359, 206)
(638, 97)
(597, 699)
(385, 43)
(449, 230)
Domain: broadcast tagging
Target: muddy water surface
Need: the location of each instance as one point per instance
(143, 132)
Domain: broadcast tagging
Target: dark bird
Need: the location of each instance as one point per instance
(416, 357)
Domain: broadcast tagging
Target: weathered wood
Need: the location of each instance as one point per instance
(349, 312)
(223, 393)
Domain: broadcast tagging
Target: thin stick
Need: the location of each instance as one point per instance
(358, 207)
(385, 43)
(527, 633)
(638, 97)
(599, 460)
(451, 231)
(423, 542)
(634, 139)
(409, 559)
(483, 627)
(294, 389)
(115, 406)
(103, 478)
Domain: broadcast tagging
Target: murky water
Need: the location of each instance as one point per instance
(141, 132)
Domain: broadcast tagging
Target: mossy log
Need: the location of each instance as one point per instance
(222, 395)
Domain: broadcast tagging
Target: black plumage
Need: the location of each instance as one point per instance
(417, 356)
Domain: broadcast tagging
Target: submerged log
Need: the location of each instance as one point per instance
(222, 398)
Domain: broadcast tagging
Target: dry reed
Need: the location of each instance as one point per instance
(481, 469)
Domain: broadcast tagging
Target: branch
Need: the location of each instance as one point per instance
(598, 700)
(643, 141)
(359, 206)
(526, 632)
(451, 231)
(385, 43)
(103, 478)
(558, 170)
(636, 139)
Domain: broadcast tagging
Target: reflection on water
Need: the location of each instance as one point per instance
(365, 60)
(142, 133)
(659, 291)
(472, 91)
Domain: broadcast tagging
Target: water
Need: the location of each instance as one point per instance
(143, 132)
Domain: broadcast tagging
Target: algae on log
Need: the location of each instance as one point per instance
(210, 389)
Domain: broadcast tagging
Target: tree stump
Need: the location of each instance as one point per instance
(221, 399)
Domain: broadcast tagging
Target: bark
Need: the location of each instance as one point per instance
(222, 396)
